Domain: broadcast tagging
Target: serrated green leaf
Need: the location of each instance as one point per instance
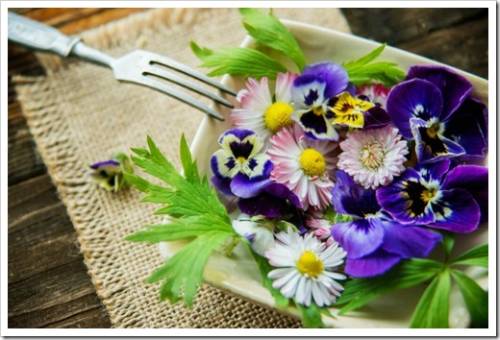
(239, 61)
(359, 292)
(475, 297)
(311, 316)
(265, 268)
(182, 274)
(267, 30)
(477, 256)
(432, 310)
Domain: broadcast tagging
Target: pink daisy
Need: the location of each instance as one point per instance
(320, 227)
(305, 166)
(259, 111)
(373, 157)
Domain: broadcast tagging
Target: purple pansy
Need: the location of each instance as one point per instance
(312, 91)
(374, 243)
(434, 107)
(240, 169)
(435, 196)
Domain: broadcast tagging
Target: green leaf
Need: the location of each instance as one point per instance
(477, 256)
(448, 243)
(475, 297)
(265, 268)
(358, 292)
(238, 61)
(311, 316)
(432, 310)
(182, 274)
(200, 52)
(196, 214)
(267, 30)
(364, 70)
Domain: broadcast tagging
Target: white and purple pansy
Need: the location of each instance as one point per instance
(434, 107)
(434, 195)
(373, 241)
(239, 166)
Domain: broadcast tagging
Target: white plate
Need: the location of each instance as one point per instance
(240, 274)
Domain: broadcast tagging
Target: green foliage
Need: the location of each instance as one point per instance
(433, 308)
(238, 61)
(267, 30)
(195, 213)
(475, 297)
(365, 70)
(359, 292)
(477, 256)
(311, 316)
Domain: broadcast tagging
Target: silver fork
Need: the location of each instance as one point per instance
(139, 67)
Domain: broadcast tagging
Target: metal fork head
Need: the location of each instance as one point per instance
(153, 70)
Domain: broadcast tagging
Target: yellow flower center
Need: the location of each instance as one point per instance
(309, 264)
(372, 156)
(312, 162)
(277, 116)
(349, 110)
(428, 195)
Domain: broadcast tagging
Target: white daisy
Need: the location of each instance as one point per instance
(373, 157)
(305, 268)
(260, 110)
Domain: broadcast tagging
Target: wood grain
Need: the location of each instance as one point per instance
(48, 282)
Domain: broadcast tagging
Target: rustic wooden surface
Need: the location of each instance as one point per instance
(48, 282)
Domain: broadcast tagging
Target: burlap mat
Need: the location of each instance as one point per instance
(78, 113)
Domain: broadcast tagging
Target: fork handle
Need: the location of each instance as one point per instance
(38, 36)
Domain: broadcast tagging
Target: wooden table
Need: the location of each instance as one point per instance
(48, 281)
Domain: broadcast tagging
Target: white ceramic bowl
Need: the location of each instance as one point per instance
(240, 275)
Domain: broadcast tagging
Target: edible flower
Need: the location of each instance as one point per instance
(373, 157)
(435, 108)
(373, 241)
(303, 165)
(322, 98)
(305, 268)
(108, 174)
(262, 111)
(432, 195)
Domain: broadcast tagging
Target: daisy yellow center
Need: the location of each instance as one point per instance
(372, 156)
(277, 116)
(310, 264)
(312, 162)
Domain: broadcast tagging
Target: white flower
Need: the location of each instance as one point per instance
(306, 267)
(373, 157)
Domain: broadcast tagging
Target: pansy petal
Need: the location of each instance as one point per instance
(468, 126)
(434, 171)
(375, 264)
(453, 87)
(332, 75)
(222, 184)
(359, 238)
(316, 126)
(350, 198)
(458, 212)
(223, 165)
(413, 98)
(376, 117)
(409, 241)
(279, 190)
(245, 187)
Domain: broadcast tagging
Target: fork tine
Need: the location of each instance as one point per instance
(170, 63)
(162, 73)
(179, 95)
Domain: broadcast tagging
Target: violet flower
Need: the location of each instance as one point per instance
(434, 195)
(239, 169)
(373, 241)
(434, 107)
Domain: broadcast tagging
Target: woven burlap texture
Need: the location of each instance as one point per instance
(78, 114)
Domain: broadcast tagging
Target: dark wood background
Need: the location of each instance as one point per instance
(48, 281)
